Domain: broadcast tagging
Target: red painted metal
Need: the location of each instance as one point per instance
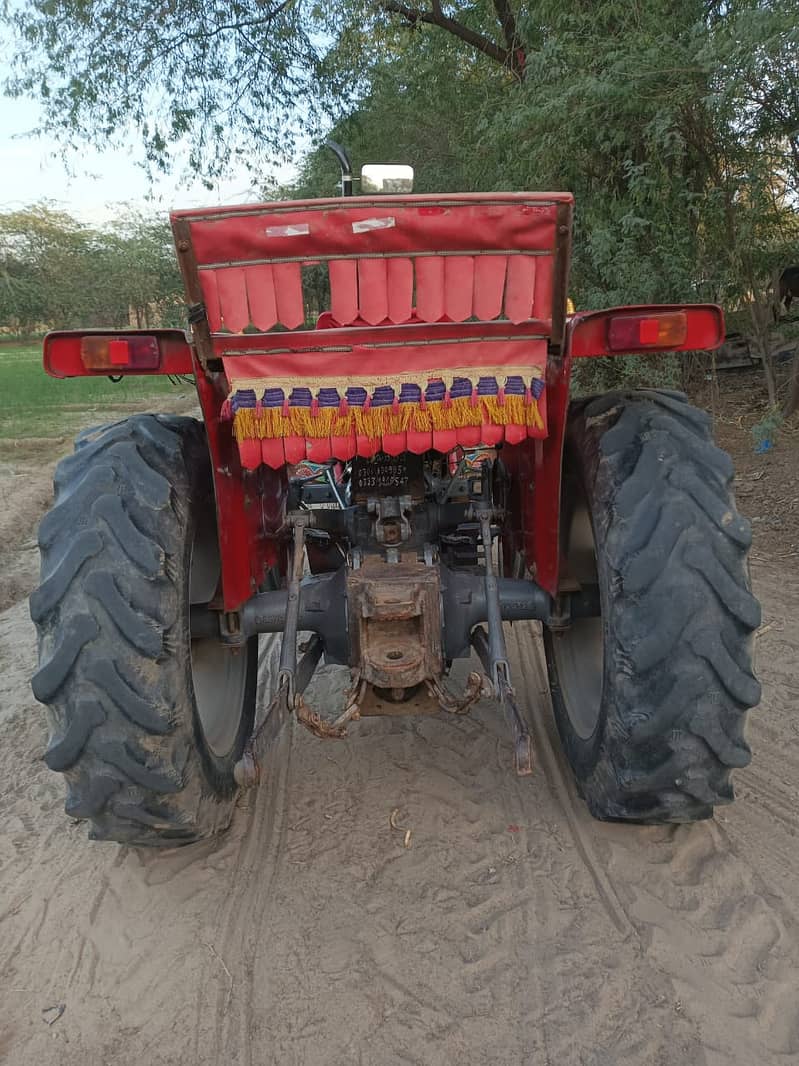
(379, 253)
(360, 333)
(249, 506)
(362, 225)
(532, 528)
(436, 241)
(246, 265)
(357, 355)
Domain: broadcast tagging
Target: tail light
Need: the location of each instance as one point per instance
(83, 353)
(631, 330)
(647, 331)
(114, 353)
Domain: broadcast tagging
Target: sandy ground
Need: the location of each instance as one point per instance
(513, 929)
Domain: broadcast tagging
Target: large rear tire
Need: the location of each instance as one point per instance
(146, 724)
(650, 699)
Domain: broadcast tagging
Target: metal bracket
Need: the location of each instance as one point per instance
(288, 647)
(247, 770)
(291, 679)
(453, 704)
(494, 657)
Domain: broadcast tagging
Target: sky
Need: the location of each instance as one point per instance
(31, 170)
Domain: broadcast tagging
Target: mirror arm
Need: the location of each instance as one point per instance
(345, 164)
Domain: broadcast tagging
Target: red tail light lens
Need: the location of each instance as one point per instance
(85, 353)
(631, 332)
(648, 328)
(111, 353)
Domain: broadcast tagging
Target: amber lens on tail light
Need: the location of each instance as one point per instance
(117, 353)
(626, 332)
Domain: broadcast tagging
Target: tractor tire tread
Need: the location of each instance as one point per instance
(113, 554)
(680, 614)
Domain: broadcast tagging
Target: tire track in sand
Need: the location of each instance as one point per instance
(484, 941)
(225, 995)
(702, 912)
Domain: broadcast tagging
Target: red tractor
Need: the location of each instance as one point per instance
(395, 476)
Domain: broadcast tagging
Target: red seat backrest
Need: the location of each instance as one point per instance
(390, 260)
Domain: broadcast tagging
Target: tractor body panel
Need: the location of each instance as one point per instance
(456, 304)
(466, 290)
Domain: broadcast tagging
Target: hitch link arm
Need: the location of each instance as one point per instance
(493, 654)
(292, 677)
(288, 648)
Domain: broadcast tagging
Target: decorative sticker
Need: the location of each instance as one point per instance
(301, 230)
(373, 223)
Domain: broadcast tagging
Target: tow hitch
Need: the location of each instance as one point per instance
(397, 619)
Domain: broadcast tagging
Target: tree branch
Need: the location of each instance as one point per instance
(506, 57)
(508, 23)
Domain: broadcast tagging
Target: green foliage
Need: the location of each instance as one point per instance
(672, 121)
(765, 432)
(216, 81)
(56, 273)
(590, 376)
(421, 104)
(674, 124)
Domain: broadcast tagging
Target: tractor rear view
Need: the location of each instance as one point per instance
(396, 476)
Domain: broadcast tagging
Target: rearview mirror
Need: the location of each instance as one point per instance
(386, 177)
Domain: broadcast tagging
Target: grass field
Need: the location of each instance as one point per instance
(37, 406)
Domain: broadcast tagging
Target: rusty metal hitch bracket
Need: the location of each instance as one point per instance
(452, 704)
(336, 729)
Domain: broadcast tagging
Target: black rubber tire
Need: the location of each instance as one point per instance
(678, 614)
(112, 614)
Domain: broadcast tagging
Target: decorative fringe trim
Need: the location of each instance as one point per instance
(250, 423)
(372, 382)
(284, 422)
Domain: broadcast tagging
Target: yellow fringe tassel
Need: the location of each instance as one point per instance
(271, 422)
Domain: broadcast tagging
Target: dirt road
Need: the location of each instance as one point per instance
(513, 929)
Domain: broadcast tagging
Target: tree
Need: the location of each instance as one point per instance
(58, 274)
(212, 82)
(219, 82)
(426, 103)
(673, 122)
(43, 268)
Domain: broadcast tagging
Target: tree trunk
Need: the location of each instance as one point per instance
(792, 402)
(760, 311)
